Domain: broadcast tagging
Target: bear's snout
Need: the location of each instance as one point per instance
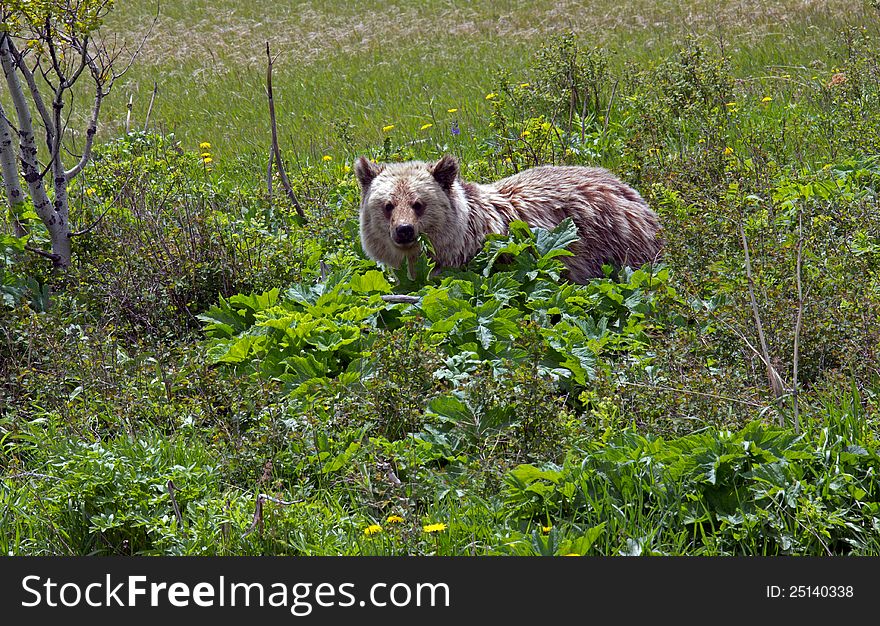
(404, 234)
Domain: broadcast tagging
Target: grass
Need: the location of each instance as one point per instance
(343, 63)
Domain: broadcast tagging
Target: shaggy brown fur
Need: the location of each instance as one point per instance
(399, 201)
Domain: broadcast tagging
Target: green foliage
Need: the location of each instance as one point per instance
(759, 490)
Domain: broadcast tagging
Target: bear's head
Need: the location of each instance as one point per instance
(400, 201)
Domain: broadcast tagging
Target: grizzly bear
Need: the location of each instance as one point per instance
(400, 201)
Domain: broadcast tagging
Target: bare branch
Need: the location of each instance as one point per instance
(91, 131)
(799, 322)
(773, 377)
(150, 108)
(170, 487)
(55, 258)
(276, 151)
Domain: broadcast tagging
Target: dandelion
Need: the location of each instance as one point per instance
(766, 99)
(728, 151)
(207, 160)
(525, 133)
(204, 146)
(426, 126)
(394, 519)
(434, 528)
(452, 110)
(491, 96)
(388, 128)
(372, 529)
(571, 554)
(327, 157)
(90, 191)
(546, 529)
(524, 86)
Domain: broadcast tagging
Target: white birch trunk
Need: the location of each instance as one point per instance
(54, 216)
(11, 180)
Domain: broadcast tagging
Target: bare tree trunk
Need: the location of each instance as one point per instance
(11, 181)
(54, 217)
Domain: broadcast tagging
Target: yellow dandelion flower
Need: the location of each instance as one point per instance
(90, 191)
(524, 86)
(205, 155)
(766, 99)
(373, 529)
(208, 160)
(571, 554)
(327, 157)
(385, 129)
(394, 519)
(728, 151)
(546, 529)
(452, 110)
(525, 133)
(204, 146)
(426, 126)
(434, 528)
(491, 96)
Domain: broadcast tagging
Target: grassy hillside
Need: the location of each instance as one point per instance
(212, 377)
(407, 62)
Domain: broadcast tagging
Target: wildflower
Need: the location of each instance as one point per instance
(525, 133)
(491, 96)
(454, 129)
(204, 146)
(207, 160)
(373, 529)
(434, 528)
(394, 519)
(426, 126)
(327, 157)
(90, 191)
(730, 105)
(838, 79)
(524, 86)
(728, 151)
(385, 129)
(766, 99)
(546, 529)
(571, 554)
(452, 110)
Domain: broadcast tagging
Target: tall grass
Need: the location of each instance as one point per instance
(405, 63)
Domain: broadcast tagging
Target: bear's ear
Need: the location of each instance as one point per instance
(366, 171)
(445, 171)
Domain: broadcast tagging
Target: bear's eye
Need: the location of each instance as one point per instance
(418, 207)
(389, 207)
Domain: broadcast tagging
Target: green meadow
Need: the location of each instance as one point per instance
(211, 376)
